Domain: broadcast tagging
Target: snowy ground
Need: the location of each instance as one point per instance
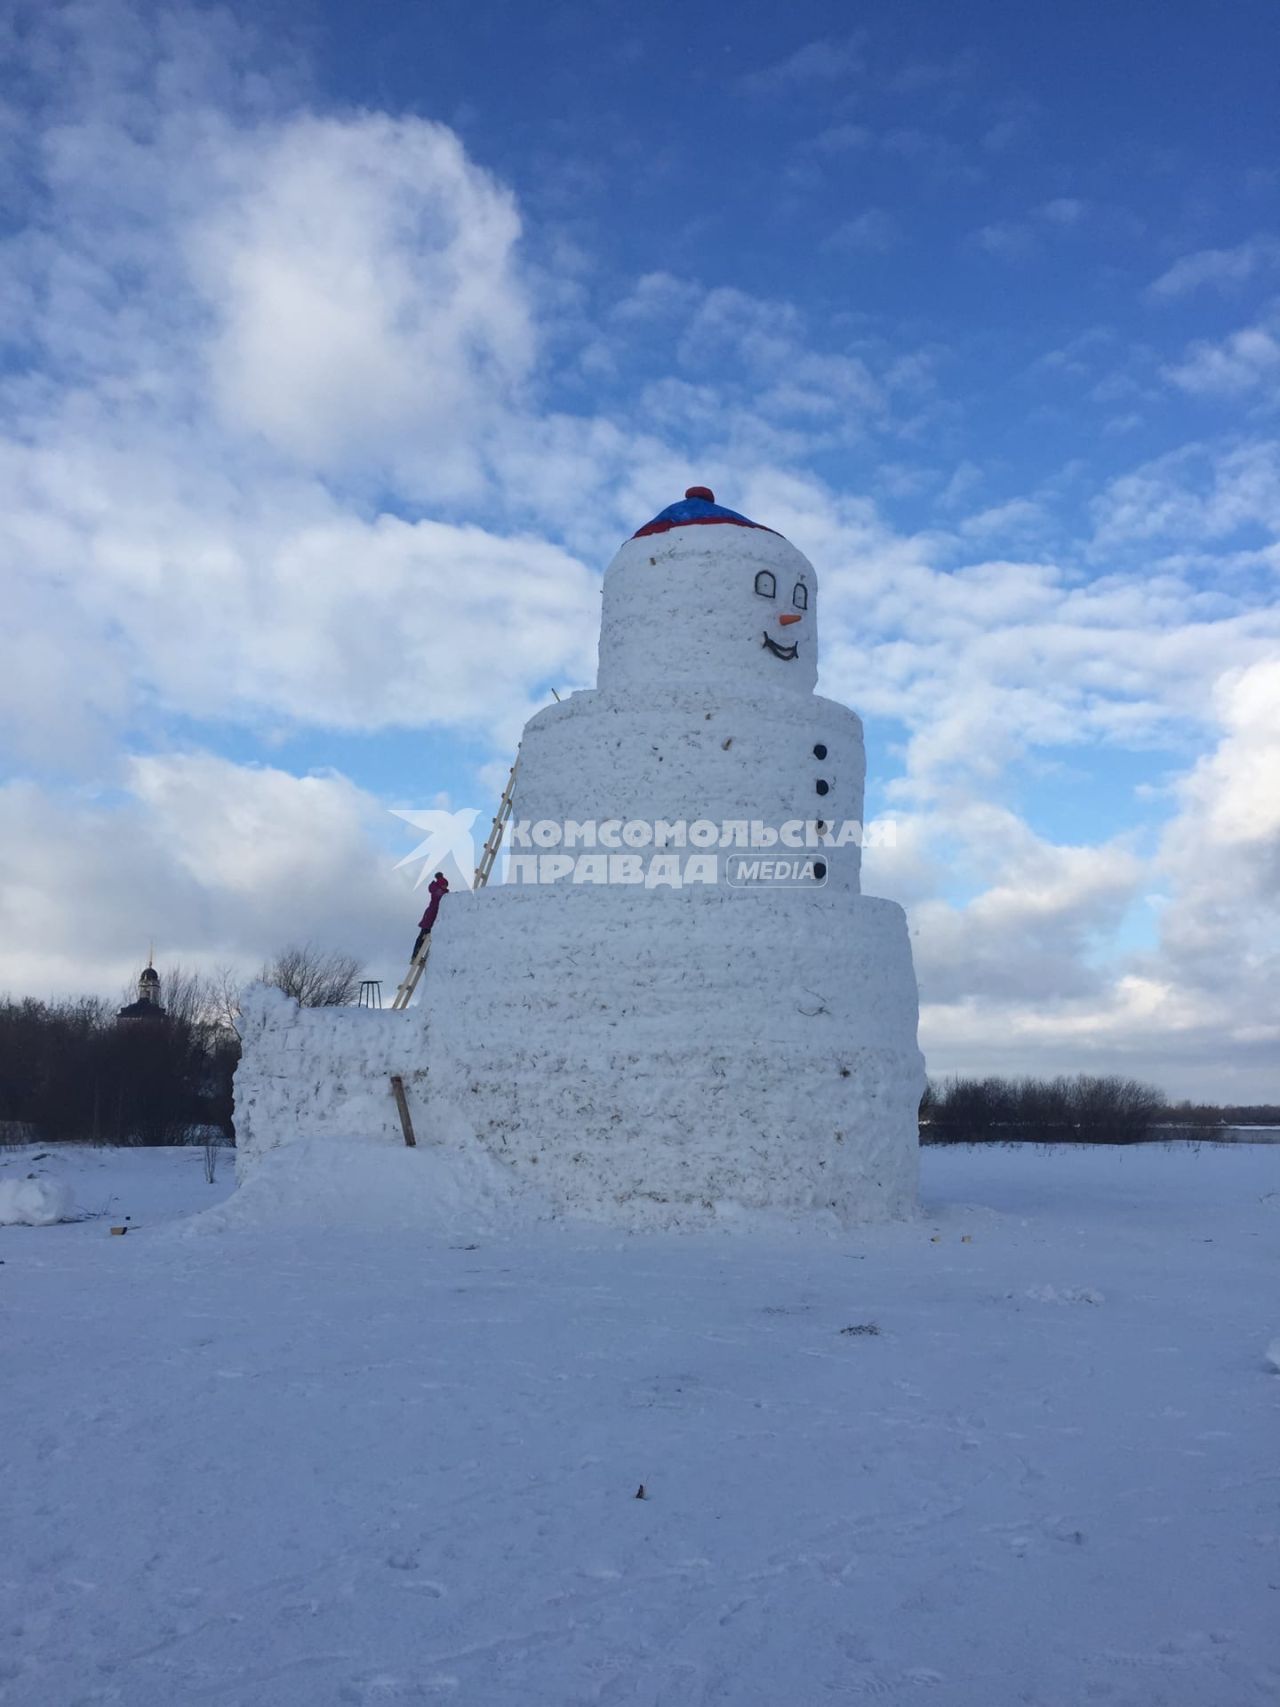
(287, 1464)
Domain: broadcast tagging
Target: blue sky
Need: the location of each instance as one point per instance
(344, 344)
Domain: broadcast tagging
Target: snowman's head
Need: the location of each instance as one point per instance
(702, 596)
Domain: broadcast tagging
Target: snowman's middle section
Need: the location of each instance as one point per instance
(747, 769)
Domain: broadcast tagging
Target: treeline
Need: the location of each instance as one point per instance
(1075, 1110)
(73, 1070)
(69, 1070)
(1199, 1115)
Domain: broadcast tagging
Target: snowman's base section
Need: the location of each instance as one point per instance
(672, 1057)
(644, 1058)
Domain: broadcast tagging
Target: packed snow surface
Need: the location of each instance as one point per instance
(311, 1450)
(436, 1192)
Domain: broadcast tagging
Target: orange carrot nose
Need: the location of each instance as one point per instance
(784, 620)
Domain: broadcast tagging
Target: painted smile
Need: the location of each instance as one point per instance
(780, 651)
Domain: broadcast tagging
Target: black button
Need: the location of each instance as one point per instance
(819, 752)
(820, 869)
(823, 787)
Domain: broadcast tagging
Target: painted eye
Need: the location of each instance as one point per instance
(766, 586)
(800, 596)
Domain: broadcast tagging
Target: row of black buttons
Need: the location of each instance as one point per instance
(823, 787)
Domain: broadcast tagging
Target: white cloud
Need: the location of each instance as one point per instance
(965, 478)
(217, 863)
(361, 277)
(1025, 977)
(1030, 934)
(773, 390)
(1246, 361)
(825, 60)
(1018, 518)
(1192, 495)
(347, 289)
(1223, 269)
(1026, 972)
(656, 296)
(277, 602)
(1223, 846)
(1201, 1006)
(1079, 356)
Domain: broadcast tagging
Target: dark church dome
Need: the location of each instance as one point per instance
(147, 1005)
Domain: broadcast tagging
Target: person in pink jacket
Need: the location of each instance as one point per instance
(438, 887)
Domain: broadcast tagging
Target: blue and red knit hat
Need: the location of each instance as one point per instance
(697, 508)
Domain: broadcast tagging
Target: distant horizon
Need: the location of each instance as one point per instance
(344, 353)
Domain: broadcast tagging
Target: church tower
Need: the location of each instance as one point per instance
(147, 1006)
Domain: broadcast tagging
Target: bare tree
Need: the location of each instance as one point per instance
(314, 977)
(227, 987)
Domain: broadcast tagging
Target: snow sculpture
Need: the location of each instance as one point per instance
(660, 1028)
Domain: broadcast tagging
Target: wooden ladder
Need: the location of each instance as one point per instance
(409, 983)
(501, 819)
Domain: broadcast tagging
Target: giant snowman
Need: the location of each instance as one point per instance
(682, 1008)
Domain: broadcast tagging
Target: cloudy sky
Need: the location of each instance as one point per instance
(344, 343)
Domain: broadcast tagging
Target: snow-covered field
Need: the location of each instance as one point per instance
(1023, 1451)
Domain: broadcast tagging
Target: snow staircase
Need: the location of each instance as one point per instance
(409, 983)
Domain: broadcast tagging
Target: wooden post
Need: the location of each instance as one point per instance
(402, 1103)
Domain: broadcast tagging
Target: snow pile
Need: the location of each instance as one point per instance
(444, 1192)
(1272, 1358)
(34, 1202)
